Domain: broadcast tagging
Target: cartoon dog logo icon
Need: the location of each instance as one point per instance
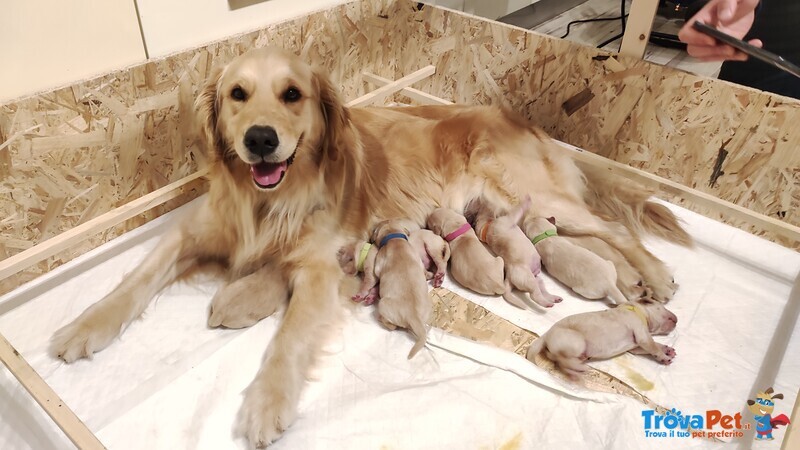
(762, 408)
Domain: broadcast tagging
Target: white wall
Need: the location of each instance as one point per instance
(492, 9)
(174, 25)
(49, 43)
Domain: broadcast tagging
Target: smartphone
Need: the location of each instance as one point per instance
(750, 50)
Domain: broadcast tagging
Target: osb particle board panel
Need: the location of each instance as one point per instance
(658, 119)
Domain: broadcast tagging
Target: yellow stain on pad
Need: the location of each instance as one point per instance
(638, 380)
(513, 443)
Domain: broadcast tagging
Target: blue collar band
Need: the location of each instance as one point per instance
(391, 236)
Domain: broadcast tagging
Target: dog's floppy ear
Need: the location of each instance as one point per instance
(778, 396)
(750, 402)
(335, 114)
(769, 391)
(206, 113)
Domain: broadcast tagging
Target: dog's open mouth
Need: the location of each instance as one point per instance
(269, 175)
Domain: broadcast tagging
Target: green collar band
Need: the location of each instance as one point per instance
(362, 256)
(544, 236)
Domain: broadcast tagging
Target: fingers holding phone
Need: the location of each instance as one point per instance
(734, 17)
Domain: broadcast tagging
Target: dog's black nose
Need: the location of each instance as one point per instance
(261, 140)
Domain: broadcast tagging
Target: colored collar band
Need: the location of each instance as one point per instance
(391, 236)
(544, 236)
(362, 256)
(459, 231)
(637, 311)
(485, 229)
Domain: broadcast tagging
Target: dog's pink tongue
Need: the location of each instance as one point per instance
(266, 174)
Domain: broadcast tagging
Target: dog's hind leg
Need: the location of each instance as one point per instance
(243, 302)
(573, 218)
(522, 278)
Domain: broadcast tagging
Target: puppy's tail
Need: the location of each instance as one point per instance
(536, 348)
(627, 202)
(419, 330)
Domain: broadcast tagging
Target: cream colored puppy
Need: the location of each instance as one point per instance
(586, 273)
(403, 288)
(629, 281)
(604, 334)
(244, 302)
(434, 253)
(359, 257)
(522, 263)
(471, 264)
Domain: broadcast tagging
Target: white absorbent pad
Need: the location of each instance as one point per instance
(170, 382)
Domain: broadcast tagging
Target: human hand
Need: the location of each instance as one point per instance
(734, 17)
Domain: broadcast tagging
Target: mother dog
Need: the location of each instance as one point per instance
(294, 173)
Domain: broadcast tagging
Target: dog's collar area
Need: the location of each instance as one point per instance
(362, 256)
(485, 229)
(540, 237)
(391, 236)
(636, 310)
(458, 232)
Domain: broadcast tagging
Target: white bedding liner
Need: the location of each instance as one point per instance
(172, 383)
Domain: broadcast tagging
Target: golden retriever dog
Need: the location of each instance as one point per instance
(294, 174)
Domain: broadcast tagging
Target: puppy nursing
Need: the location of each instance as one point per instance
(470, 263)
(359, 257)
(585, 272)
(605, 334)
(403, 288)
(522, 262)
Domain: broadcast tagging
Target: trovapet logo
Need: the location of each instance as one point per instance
(712, 424)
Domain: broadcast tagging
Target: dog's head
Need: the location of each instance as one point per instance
(660, 319)
(266, 111)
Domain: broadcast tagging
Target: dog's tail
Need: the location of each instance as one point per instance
(625, 201)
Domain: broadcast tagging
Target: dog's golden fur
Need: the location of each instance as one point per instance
(347, 170)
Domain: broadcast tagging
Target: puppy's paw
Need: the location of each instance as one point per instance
(91, 332)
(555, 299)
(669, 355)
(358, 297)
(266, 412)
(669, 351)
(438, 279)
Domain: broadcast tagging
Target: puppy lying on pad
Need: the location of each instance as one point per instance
(403, 288)
(522, 263)
(586, 273)
(605, 334)
(471, 264)
(629, 281)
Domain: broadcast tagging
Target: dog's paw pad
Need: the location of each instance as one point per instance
(265, 413)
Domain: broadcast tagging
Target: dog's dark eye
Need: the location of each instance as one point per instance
(238, 94)
(291, 95)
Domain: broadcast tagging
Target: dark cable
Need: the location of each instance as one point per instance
(598, 19)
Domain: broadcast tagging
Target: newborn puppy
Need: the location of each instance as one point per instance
(629, 281)
(359, 257)
(605, 334)
(470, 263)
(243, 302)
(522, 263)
(403, 289)
(432, 251)
(586, 273)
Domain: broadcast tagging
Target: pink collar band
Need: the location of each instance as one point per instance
(459, 231)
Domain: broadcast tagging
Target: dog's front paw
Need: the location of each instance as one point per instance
(663, 291)
(266, 412)
(91, 332)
